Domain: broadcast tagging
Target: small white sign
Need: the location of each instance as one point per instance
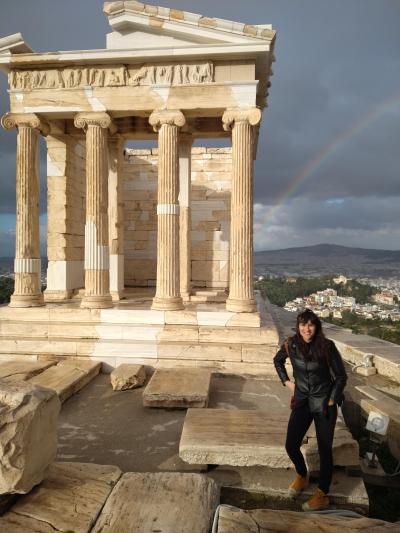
(377, 423)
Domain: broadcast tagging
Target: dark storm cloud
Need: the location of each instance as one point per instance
(337, 62)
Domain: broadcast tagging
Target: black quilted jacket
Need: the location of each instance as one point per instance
(315, 381)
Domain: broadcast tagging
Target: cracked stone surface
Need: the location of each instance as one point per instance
(167, 503)
(70, 498)
(234, 520)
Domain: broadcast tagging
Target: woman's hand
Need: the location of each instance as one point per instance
(331, 402)
(290, 385)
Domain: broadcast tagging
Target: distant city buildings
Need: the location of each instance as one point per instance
(386, 298)
(327, 303)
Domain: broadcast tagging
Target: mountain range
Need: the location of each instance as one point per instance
(328, 259)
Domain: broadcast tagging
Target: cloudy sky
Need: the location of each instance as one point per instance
(328, 165)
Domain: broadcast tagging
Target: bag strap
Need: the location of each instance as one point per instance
(286, 345)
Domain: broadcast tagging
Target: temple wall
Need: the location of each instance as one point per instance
(66, 183)
(211, 193)
(211, 186)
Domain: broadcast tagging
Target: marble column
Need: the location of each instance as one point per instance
(27, 264)
(185, 157)
(241, 292)
(116, 216)
(167, 123)
(97, 255)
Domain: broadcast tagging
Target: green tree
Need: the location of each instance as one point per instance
(6, 289)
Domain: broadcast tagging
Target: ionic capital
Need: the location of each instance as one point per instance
(102, 120)
(27, 120)
(252, 115)
(173, 117)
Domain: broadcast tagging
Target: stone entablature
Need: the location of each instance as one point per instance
(114, 76)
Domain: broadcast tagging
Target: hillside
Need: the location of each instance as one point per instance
(329, 258)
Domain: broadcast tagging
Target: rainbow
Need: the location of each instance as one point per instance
(317, 161)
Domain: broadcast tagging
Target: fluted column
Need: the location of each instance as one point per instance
(185, 157)
(241, 292)
(97, 254)
(27, 264)
(116, 217)
(167, 123)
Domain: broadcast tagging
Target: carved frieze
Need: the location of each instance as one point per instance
(114, 76)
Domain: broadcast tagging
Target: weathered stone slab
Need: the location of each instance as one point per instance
(235, 520)
(69, 499)
(234, 437)
(127, 376)
(68, 377)
(178, 387)
(28, 435)
(246, 438)
(167, 503)
(22, 370)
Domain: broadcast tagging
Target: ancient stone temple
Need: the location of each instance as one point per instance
(164, 235)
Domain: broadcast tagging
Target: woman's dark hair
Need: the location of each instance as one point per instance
(319, 343)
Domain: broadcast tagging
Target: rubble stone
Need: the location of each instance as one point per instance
(28, 435)
(127, 376)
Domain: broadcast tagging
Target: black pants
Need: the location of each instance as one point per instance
(299, 422)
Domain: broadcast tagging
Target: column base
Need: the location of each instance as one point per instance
(116, 296)
(51, 296)
(26, 300)
(167, 304)
(241, 306)
(97, 302)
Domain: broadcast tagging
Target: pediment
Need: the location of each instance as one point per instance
(137, 25)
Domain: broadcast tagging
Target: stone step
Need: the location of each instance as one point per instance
(235, 520)
(142, 332)
(178, 387)
(201, 298)
(67, 377)
(271, 485)
(202, 315)
(170, 502)
(69, 499)
(107, 350)
(250, 437)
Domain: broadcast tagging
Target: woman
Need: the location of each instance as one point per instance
(319, 380)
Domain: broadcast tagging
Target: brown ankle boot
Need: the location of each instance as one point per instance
(318, 501)
(298, 485)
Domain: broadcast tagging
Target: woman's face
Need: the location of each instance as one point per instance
(307, 330)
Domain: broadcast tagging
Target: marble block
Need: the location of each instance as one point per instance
(127, 376)
(178, 387)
